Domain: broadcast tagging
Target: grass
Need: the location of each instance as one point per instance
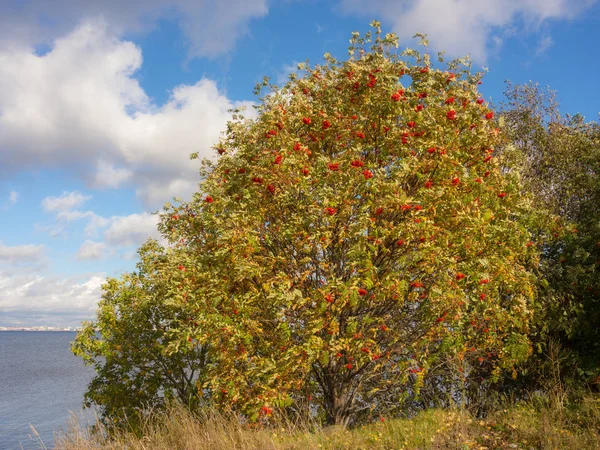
(526, 426)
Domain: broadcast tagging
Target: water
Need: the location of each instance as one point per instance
(41, 381)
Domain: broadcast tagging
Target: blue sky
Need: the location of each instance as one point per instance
(100, 106)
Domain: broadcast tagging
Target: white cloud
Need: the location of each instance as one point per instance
(154, 192)
(66, 202)
(94, 221)
(91, 250)
(119, 231)
(64, 217)
(210, 27)
(213, 28)
(109, 176)
(544, 44)
(13, 198)
(20, 254)
(49, 294)
(464, 26)
(132, 230)
(54, 230)
(80, 106)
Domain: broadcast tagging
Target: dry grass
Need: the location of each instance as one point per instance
(524, 427)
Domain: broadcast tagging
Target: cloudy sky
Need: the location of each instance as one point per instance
(102, 101)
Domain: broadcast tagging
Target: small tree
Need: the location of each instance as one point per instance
(355, 231)
(128, 343)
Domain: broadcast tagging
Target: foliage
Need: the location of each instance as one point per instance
(355, 235)
(353, 232)
(128, 341)
(558, 158)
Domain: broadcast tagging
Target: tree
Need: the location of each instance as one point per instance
(558, 159)
(352, 236)
(129, 345)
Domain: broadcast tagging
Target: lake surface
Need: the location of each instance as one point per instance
(41, 381)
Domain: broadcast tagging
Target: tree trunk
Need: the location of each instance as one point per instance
(337, 412)
(338, 394)
(337, 403)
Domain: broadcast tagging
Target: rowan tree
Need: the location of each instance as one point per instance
(352, 234)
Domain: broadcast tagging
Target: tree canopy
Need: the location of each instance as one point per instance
(558, 159)
(351, 236)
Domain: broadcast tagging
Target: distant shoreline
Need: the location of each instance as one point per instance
(40, 330)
